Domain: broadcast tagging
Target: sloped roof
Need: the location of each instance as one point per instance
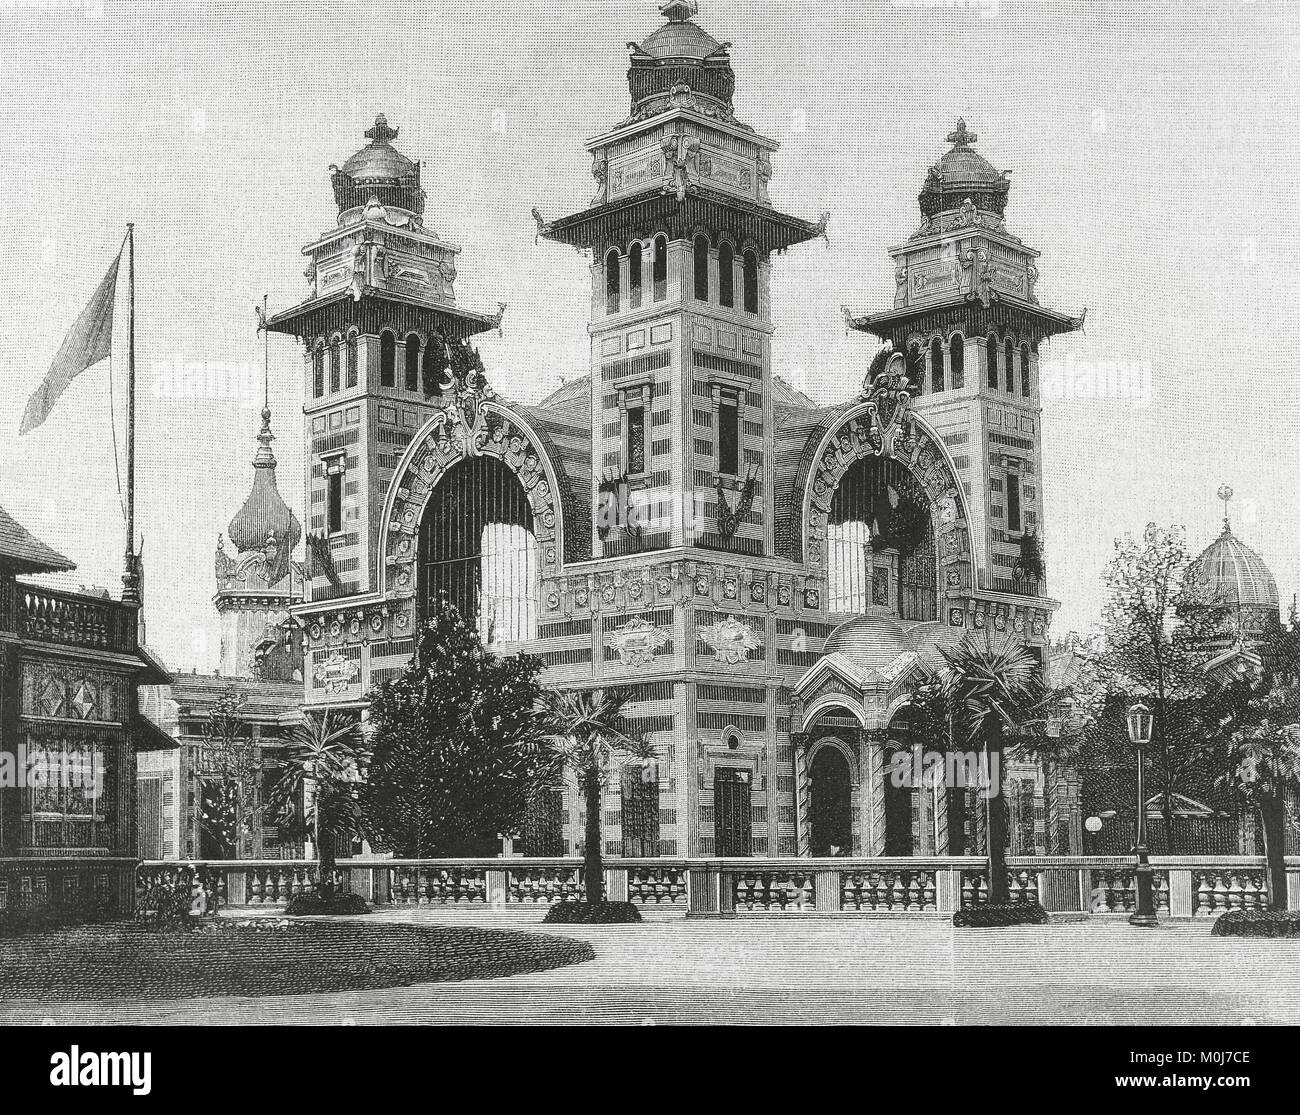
(22, 552)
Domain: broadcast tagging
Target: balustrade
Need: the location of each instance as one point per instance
(662, 886)
(896, 889)
(51, 616)
(774, 890)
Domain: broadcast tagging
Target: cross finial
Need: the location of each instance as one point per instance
(961, 137)
(1225, 493)
(679, 11)
(381, 132)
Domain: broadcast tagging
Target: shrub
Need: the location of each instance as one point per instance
(1257, 923)
(17, 921)
(591, 913)
(167, 907)
(1000, 916)
(316, 904)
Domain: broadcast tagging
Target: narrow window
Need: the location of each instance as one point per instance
(640, 802)
(431, 373)
(936, 365)
(1009, 364)
(318, 370)
(1024, 371)
(336, 372)
(992, 359)
(611, 282)
(726, 275)
(701, 254)
(387, 359)
(334, 470)
(751, 282)
(957, 358)
(661, 268)
(636, 440)
(352, 359)
(729, 436)
(413, 363)
(1013, 501)
(634, 277)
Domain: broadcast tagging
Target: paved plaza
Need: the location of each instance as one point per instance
(805, 971)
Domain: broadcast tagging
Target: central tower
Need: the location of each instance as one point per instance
(682, 235)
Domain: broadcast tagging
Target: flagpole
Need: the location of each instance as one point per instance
(131, 579)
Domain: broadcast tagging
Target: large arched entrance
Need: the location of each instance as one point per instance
(880, 546)
(477, 547)
(830, 804)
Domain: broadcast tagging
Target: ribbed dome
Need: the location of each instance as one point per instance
(680, 56)
(963, 173)
(1228, 572)
(265, 515)
(381, 172)
(870, 642)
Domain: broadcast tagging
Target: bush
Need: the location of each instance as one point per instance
(316, 904)
(1257, 923)
(24, 919)
(167, 907)
(1000, 916)
(591, 913)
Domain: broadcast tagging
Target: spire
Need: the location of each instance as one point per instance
(961, 137)
(265, 522)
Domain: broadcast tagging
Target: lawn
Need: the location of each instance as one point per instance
(125, 961)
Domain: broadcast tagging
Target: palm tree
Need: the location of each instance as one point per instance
(327, 753)
(994, 691)
(587, 730)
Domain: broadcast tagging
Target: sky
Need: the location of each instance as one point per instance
(1153, 150)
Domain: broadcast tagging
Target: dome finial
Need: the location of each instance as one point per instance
(264, 458)
(1225, 494)
(381, 132)
(961, 137)
(679, 11)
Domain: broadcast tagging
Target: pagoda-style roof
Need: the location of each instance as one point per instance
(375, 307)
(970, 314)
(22, 552)
(772, 230)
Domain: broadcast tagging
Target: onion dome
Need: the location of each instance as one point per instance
(1228, 573)
(265, 521)
(964, 173)
(680, 57)
(378, 172)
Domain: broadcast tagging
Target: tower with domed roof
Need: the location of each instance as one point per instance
(257, 586)
(682, 235)
(966, 309)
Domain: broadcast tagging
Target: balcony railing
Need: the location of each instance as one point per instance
(54, 616)
(936, 886)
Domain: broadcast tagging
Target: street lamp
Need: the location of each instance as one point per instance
(1140, 723)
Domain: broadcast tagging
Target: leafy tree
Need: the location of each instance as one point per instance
(322, 766)
(458, 753)
(588, 730)
(995, 691)
(1155, 643)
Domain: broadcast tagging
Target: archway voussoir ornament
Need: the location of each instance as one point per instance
(880, 423)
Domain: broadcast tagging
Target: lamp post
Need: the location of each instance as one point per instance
(1140, 722)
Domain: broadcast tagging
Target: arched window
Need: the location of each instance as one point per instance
(352, 359)
(431, 372)
(701, 254)
(1009, 367)
(957, 361)
(915, 369)
(387, 359)
(413, 363)
(751, 282)
(991, 359)
(634, 275)
(1024, 371)
(336, 366)
(661, 268)
(936, 365)
(318, 369)
(612, 280)
(726, 275)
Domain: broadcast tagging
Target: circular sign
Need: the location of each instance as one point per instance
(1093, 824)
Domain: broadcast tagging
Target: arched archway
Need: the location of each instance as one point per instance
(830, 803)
(478, 548)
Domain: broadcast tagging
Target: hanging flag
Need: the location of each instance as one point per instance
(87, 343)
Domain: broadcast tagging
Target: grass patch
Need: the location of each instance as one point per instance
(592, 913)
(265, 957)
(1001, 916)
(1257, 923)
